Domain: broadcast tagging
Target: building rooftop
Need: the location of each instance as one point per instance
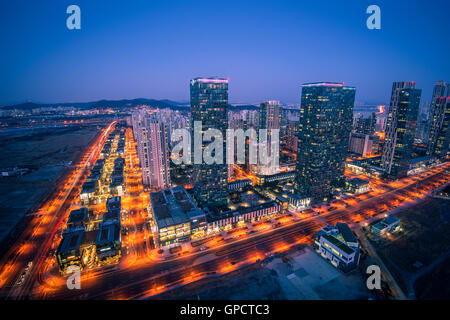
(113, 215)
(210, 80)
(172, 206)
(357, 181)
(346, 232)
(213, 216)
(323, 84)
(89, 238)
(340, 236)
(341, 245)
(77, 216)
(108, 232)
(88, 187)
(282, 199)
(391, 219)
(421, 159)
(240, 181)
(116, 181)
(327, 84)
(119, 161)
(113, 203)
(71, 240)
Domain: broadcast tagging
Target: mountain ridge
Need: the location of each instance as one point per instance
(116, 104)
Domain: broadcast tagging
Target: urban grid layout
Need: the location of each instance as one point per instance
(119, 199)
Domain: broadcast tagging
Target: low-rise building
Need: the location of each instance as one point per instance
(231, 219)
(299, 203)
(275, 178)
(238, 185)
(283, 202)
(87, 191)
(108, 243)
(176, 216)
(111, 216)
(114, 204)
(14, 172)
(357, 185)
(420, 164)
(69, 250)
(77, 218)
(339, 245)
(116, 186)
(388, 224)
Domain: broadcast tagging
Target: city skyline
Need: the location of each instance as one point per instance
(228, 151)
(123, 67)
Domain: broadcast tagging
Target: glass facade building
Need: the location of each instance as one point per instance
(400, 129)
(326, 116)
(209, 105)
(439, 137)
(152, 136)
(269, 119)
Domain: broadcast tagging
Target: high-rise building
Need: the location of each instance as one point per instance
(269, 119)
(291, 134)
(400, 128)
(269, 115)
(364, 144)
(325, 123)
(439, 136)
(152, 137)
(209, 105)
(366, 125)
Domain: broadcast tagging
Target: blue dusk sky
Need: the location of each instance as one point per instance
(150, 49)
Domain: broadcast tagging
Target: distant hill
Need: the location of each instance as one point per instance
(119, 104)
(114, 104)
(242, 107)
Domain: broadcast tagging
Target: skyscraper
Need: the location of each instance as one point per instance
(366, 125)
(269, 119)
(291, 134)
(209, 105)
(269, 115)
(438, 139)
(153, 149)
(400, 128)
(325, 123)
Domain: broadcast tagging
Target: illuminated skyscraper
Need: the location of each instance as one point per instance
(325, 123)
(400, 128)
(153, 149)
(366, 125)
(439, 137)
(269, 119)
(209, 105)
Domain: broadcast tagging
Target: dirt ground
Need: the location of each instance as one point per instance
(48, 153)
(426, 236)
(425, 239)
(304, 275)
(435, 284)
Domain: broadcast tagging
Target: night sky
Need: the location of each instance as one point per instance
(150, 49)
